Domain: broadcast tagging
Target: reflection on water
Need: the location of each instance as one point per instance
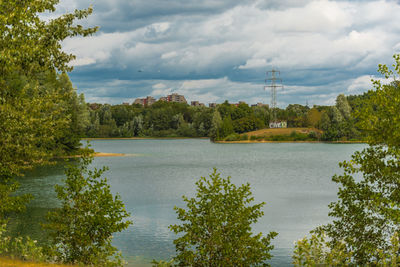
(293, 179)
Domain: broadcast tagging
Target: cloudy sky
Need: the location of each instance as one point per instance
(212, 50)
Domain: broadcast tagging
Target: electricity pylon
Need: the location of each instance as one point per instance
(271, 82)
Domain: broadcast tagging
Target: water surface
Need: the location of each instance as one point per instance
(294, 179)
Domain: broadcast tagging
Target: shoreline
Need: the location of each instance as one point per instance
(140, 138)
(101, 154)
(312, 142)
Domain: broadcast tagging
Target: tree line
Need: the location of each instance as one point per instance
(169, 119)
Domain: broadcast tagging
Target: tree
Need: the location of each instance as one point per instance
(247, 124)
(76, 112)
(30, 116)
(343, 106)
(216, 228)
(216, 123)
(314, 117)
(81, 230)
(226, 128)
(367, 212)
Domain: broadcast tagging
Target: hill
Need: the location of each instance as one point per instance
(283, 131)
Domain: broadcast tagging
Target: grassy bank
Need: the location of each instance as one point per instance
(282, 135)
(263, 141)
(7, 262)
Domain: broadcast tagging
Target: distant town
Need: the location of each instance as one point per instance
(149, 100)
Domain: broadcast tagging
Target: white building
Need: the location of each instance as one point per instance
(278, 124)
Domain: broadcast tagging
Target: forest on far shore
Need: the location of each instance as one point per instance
(225, 122)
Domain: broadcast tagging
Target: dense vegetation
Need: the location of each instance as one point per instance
(366, 224)
(166, 119)
(42, 117)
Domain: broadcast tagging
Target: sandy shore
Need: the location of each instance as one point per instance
(102, 154)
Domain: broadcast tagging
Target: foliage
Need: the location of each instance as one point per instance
(31, 115)
(338, 122)
(166, 119)
(162, 263)
(30, 44)
(367, 212)
(314, 117)
(297, 115)
(216, 123)
(317, 251)
(81, 230)
(233, 137)
(21, 248)
(216, 227)
(381, 117)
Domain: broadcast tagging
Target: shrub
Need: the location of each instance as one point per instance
(233, 137)
(244, 137)
(317, 251)
(23, 248)
(81, 230)
(216, 227)
(312, 135)
(253, 137)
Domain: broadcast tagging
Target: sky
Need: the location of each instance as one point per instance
(217, 50)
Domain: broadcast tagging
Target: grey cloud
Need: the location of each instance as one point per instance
(126, 15)
(318, 45)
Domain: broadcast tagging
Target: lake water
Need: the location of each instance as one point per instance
(294, 179)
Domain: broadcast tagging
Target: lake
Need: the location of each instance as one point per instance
(294, 179)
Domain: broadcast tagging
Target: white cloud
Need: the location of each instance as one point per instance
(169, 55)
(360, 84)
(82, 61)
(159, 86)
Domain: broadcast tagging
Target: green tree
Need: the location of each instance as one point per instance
(247, 124)
(30, 116)
(76, 112)
(81, 230)
(315, 251)
(314, 117)
(216, 123)
(225, 109)
(226, 128)
(343, 106)
(241, 111)
(216, 227)
(367, 212)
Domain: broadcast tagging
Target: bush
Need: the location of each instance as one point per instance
(20, 248)
(312, 135)
(253, 137)
(233, 137)
(81, 230)
(260, 137)
(316, 251)
(216, 227)
(301, 137)
(244, 137)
